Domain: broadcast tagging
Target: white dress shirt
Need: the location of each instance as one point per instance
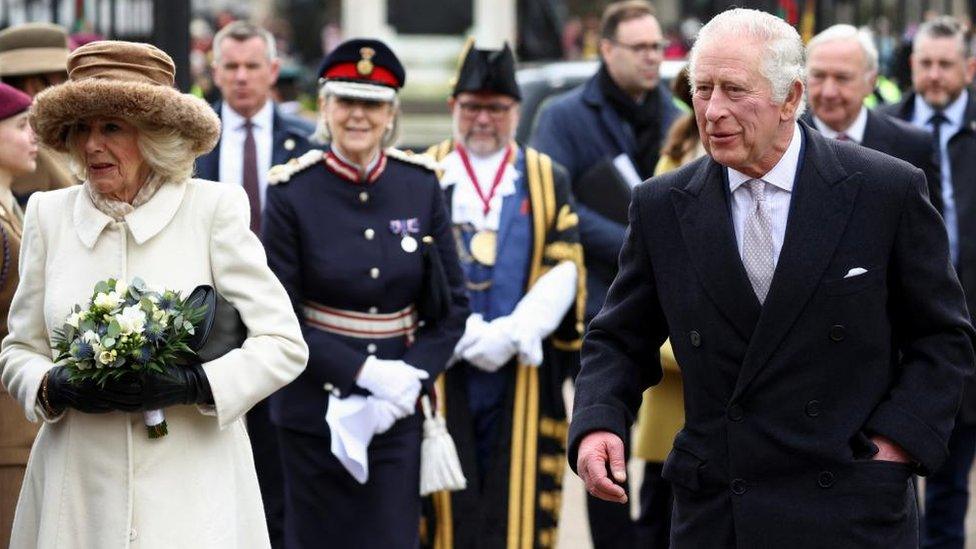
(854, 132)
(466, 204)
(232, 135)
(954, 113)
(779, 191)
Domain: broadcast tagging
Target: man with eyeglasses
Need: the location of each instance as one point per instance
(517, 237)
(617, 120)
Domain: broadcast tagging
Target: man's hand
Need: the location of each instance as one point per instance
(889, 450)
(596, 451)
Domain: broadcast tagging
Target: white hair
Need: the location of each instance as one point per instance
(164, 149)
(781, 58)
(322, 135)
(839, 33)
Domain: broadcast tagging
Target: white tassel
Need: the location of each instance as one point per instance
(440, 468)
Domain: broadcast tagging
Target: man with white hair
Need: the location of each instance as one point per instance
(806, 288)
(842, 70)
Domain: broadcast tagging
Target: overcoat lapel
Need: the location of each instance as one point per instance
(822, 202)
(706, 228)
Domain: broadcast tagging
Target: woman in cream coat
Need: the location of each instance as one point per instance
(95, 480)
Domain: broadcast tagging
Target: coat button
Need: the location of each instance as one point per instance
(374, 273)
(825, 479)
(373, 310)
(695, 338)
(837, 332)
(735, 412)
(133, 534)
(328, 387)
(738, 486)
(369, 234)
(812, 408)
(371, 348)
(364, 197)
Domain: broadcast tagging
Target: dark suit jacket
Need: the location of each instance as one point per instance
(579, 129)
(962, 155)
(287, 131)
(780, 399)
(904, 141)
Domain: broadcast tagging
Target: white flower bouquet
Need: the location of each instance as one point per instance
(127, 330)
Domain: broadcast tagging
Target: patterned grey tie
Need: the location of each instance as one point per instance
(757, 241)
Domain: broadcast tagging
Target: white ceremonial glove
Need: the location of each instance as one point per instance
(540, 311)
(385, 414)
(474, 328)
(392, 380)
(492, 350)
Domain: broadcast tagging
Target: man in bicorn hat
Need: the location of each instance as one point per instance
(517, 237)
(255, 135)
(34, 57)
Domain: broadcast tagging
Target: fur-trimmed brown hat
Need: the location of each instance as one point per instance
(124, 80)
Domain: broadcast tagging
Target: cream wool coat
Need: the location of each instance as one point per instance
(96, 480)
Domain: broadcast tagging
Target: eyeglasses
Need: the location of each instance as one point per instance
(495, 110)
(644, 48)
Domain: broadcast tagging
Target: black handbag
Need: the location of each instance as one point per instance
(221, 330)
(434, 301)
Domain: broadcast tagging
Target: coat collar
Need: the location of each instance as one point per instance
(144, 222)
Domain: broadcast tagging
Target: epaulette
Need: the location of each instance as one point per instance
(422, 160)
(283, 172)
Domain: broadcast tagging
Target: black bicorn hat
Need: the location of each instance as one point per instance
(487, 71)
(363, 68)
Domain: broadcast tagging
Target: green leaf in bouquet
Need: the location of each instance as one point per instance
(119, 362)
(104, 286)
(108, 342)
(114, 329)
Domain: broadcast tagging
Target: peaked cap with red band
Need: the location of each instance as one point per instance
(362, 68)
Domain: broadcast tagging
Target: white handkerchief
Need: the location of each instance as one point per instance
(352, 425)
(856, 271)
(626, 168)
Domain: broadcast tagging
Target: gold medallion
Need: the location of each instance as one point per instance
(365, 65)
(484, 247)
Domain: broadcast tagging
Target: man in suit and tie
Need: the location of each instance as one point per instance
(254, 137)
(842, 70)
(806, 288)
(942, 104)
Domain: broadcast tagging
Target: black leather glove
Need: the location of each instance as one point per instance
(176, 385)
(122, 394)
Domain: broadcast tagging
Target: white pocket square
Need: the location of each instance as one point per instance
(856, 271)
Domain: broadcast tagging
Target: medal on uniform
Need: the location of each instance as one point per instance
(409, 244)
(405, 228)
(484, 243)
(484, 247)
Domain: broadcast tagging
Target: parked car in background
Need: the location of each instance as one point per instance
(541, 82)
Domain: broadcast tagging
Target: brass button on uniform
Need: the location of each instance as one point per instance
(371, 348)
(364, 197)
(369, 234)
(374, 273)
(373, 310)
(328, 387)
(695, 338)
(837, 332)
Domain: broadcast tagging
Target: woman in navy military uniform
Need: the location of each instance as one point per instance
(345, 229)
